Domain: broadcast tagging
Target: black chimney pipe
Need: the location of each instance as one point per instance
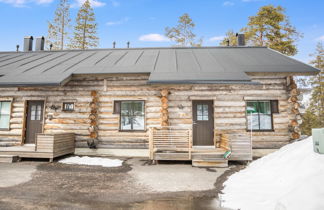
(114, 44)
(128, 43)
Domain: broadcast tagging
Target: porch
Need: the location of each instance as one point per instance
(46, 146)
(171, 143)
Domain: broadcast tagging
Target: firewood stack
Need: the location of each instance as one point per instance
(93, 129)
(164, 109)
(295, 119)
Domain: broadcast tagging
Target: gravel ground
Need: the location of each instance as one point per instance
(61, 186)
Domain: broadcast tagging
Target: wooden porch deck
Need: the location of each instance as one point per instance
(167, 143)
(47, 146)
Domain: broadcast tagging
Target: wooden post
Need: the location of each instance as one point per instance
(105, 84)
(190, 142)
(164, 108)
(151, 143)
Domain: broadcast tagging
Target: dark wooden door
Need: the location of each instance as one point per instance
(34, 120)
(203, 122)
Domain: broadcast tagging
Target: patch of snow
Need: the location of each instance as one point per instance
(94, 161)
(290, 178)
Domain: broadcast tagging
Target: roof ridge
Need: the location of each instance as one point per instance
(135, 48)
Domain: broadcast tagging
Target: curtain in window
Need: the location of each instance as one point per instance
(4, 114)
(132, 115)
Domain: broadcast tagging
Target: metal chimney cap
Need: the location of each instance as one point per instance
(29, 37)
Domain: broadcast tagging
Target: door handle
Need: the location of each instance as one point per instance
(194, 123)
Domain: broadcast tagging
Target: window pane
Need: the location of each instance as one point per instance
(126, 123)
(255, 121)
(199, 117)
(132, 115)
(199, 110)
(4, 121)
(138, 123)
(259, 115)
(265, 122)
(252, 107)
(33, 115)
(264, 107)
(5, 108)
(252, 115)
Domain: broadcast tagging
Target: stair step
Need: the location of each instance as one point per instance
(8, 158)
(210, 163)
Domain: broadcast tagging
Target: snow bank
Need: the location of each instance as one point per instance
(290, 178)
(95, 161)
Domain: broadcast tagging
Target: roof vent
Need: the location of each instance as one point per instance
(28, 43)
(240, 39)
(40, 41)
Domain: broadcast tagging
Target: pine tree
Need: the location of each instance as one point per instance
(85, 30)
(182, 33)
(314, 116)
(231, 37)
(271, 27)
(58, 28)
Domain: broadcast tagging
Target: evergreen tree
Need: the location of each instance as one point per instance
(182, 33)
(58, 28)
(231, 37)
(271, 27)
(85, 30)
(314, 116)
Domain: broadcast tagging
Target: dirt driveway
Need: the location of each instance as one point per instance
(60, 186)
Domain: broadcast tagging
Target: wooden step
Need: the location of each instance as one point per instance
(210, 163)
(207, 156)
(8, 158)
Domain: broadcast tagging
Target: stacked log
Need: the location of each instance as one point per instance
(93, 128)
(295, 119)
(164, 108)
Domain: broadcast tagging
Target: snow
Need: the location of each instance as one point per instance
(290, 178)
(94, 161)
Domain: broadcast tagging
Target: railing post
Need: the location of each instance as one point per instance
(190, 142)
(151, 143)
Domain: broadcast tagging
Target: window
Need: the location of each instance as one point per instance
(131, 115)
(68, 106)
(202, 112)
(36, 112)
(5, 108)
(259, 115)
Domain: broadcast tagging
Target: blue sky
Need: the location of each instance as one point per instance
(142, 22)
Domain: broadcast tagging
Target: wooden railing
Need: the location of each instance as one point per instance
(164, 139)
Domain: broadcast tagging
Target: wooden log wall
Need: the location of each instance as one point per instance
(164, 108)
(295, 116)
(229, 109)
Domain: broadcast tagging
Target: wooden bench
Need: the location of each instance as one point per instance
(169, 141)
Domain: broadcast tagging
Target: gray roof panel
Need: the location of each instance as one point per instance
(165, 65)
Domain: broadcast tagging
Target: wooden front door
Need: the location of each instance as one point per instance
(203, 123)
(34, 120)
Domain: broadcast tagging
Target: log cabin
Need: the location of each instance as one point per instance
(175, 103)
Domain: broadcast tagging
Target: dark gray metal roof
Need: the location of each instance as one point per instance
(165, 65)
